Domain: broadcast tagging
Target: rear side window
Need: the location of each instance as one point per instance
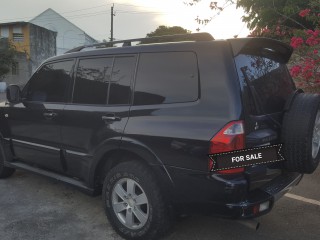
(92, 81)
(50, 83)
(267, 83)
(104, 80)
(169, 77)
(122, 74)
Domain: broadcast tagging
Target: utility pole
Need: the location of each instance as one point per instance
(112, 15)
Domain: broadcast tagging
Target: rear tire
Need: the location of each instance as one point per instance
(134, 203)
(301, 133)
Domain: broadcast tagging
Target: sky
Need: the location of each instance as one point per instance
(133, 18)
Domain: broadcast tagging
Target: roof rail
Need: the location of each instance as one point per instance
(197, 37)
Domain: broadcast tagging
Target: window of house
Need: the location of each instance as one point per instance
(104, 80)
(169, 77)
(4, 31)
(18, 37)
(50, 83)
(17, 34)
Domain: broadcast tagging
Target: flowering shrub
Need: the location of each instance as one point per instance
(306, 59)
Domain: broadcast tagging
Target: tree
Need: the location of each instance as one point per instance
(215, 7)
(279, 17)
(164, 31)
(262, 15)
(7, 55)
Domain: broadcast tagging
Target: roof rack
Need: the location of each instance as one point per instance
(197, 37)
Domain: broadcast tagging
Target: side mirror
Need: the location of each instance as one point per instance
(13, 94)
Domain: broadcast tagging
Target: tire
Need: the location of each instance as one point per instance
(301, 133)
(5, 172)
(142, 215)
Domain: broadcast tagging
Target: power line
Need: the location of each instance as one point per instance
(78, 10)
(144, 12)
(131, 5)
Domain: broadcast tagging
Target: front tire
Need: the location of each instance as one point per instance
(134, 203)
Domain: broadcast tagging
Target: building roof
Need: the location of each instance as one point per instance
(23, 23)
(50, 11)
(13, 23)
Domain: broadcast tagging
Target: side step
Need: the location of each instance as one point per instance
(56, 176)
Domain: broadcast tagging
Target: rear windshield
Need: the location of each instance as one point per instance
(266, 83)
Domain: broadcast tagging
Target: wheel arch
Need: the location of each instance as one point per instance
(128, 150)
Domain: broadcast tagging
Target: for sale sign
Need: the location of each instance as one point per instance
(246, 157)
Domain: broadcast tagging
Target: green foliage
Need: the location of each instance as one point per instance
(165, 30)
(272, 14)
(7, 54)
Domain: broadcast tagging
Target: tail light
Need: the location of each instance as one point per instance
(231, 137)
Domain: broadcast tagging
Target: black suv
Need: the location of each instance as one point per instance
(137, 123)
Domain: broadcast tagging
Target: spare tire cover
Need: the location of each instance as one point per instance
(301, 133)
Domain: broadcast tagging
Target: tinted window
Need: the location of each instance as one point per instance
(122, 74)
(166, 78)
(267, 82)
(92, 81)
(50, 83)
(104, 80)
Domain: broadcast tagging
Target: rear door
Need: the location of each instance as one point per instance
(99, 110)
(35, 123)
(266, 85)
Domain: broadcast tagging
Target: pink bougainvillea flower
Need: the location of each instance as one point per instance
(296, 42)
(312, 41)
(304, 12)
(309, 31)
(316, 33)
(295, 71)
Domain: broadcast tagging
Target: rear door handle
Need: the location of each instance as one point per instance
(110, 118)
(50, 115)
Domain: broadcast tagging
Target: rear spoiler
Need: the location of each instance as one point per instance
(265, 47)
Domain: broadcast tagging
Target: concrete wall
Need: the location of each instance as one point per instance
(42, 45)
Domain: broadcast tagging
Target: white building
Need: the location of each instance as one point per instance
(69, 35)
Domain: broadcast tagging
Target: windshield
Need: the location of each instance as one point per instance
(267, 83)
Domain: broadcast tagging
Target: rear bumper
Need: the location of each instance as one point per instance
(269, 193)
(228, 196)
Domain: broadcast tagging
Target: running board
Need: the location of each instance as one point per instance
(56, 176)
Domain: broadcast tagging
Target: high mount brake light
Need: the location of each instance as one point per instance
(231, 137)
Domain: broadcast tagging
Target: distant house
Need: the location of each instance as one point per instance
(69, 35)
(33, 43)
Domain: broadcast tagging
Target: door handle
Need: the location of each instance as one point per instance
(110, 118)
(50, 115)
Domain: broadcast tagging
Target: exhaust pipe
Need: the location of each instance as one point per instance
(250, 223)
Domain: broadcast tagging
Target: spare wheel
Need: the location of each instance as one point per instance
(301, 133)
